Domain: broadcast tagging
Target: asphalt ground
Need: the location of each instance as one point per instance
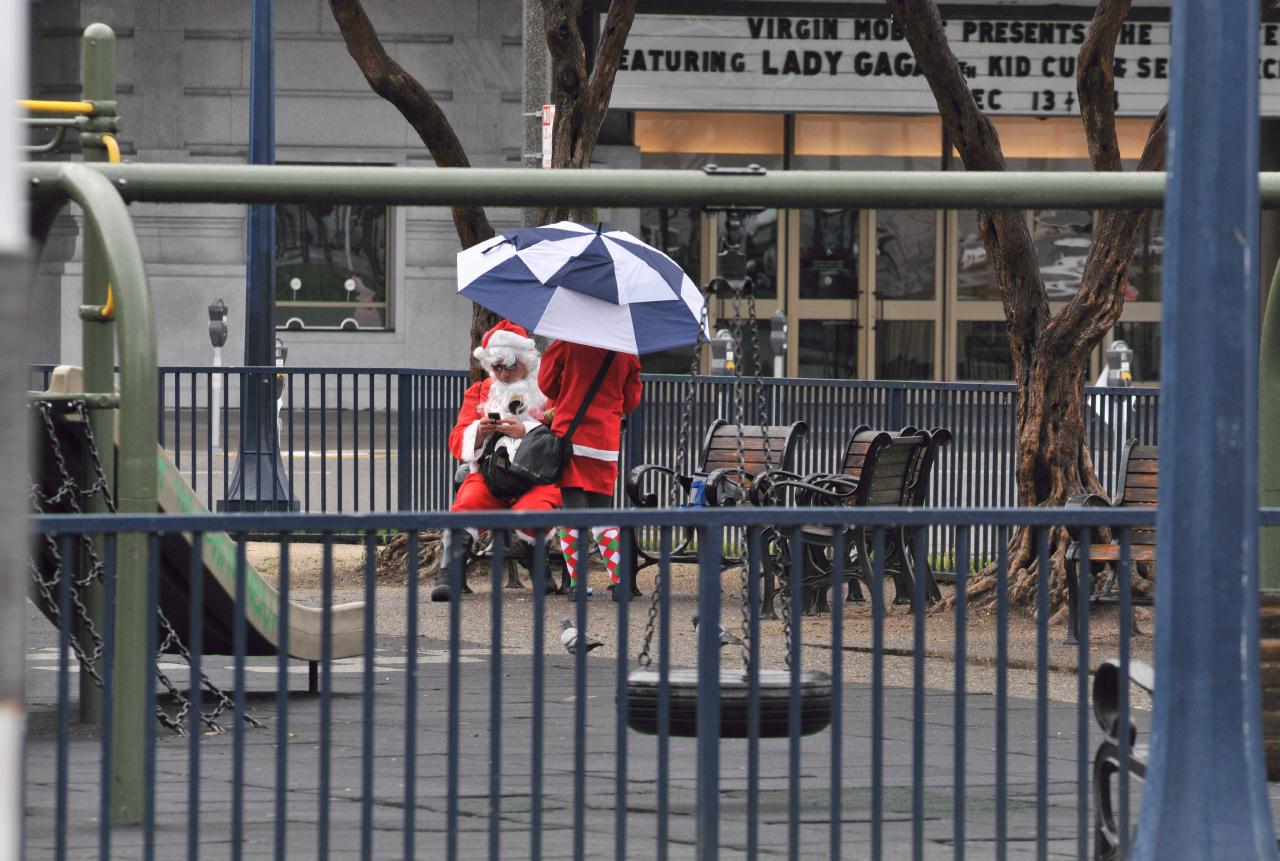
(937, 801)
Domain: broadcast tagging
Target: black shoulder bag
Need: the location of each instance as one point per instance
(541, 456)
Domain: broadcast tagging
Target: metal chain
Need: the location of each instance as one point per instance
(69, 495)
(682, 459)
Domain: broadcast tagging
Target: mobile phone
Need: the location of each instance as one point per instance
(494, 417)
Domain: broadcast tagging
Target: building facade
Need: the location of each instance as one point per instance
(787, 85)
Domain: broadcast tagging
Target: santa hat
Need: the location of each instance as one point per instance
(505, 344)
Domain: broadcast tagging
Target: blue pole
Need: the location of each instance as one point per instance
(1206, 793)
(259, 481)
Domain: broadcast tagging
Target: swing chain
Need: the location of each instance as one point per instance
(682, 458)
(69, 493)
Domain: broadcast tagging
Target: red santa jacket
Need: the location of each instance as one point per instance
(462, 439)
(564, 377)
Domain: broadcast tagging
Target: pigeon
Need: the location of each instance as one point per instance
(569, 638)
(726, 638)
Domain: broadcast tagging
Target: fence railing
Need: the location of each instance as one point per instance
(465, 729)
(376, 439)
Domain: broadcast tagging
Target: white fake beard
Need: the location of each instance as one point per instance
(530, 399)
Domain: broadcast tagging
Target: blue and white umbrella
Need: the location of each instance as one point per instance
(603, 288)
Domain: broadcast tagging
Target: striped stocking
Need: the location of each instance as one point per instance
(609, 540)
(569, 547)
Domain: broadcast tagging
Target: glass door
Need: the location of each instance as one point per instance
(905, 335)
(826, 299)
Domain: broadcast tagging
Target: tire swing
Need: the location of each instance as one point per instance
(644, 684)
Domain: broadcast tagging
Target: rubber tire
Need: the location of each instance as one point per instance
(775, 702)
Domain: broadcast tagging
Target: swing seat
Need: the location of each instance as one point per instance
(775, 702)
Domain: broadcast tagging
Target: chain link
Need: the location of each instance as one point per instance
(673, 499)
(69, 496)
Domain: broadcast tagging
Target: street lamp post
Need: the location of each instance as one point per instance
(259, 482)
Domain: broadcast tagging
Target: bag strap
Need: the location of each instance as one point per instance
(591, 393)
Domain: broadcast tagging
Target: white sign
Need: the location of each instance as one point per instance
(13, 79)
(548, 124)
(864, 65)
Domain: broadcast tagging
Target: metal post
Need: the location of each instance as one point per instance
(1268, 428)
(404, 442)
(259, 481)
(1206, 792)
(98, 85)
(13, 434)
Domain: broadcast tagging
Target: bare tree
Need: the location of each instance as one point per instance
(1050, 351)
(581, 99)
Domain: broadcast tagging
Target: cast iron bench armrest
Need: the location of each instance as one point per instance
(1088, 500)
(763, 488)
(725, 486)
(1106, 693)
(827, 489)
(635, 484)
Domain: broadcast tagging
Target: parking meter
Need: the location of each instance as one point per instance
(1119, 364)
(218, 324)
(778, 340)
(218, 338)
(722, 357)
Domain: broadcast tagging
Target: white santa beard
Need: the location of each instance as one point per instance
(501, 395)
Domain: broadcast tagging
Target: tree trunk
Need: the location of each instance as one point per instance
(1050, 353)
(581, 103)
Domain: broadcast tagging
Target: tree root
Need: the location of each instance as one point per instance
(392, 563)
(1023, 578)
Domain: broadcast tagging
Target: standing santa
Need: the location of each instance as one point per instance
(508, 403)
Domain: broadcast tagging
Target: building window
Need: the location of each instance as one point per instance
(1144, 340)
(332, 267)
(829, 349)
(983, 351)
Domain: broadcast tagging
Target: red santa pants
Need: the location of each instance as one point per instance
(474, 495)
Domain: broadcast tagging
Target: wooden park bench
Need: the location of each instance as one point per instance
(718, 480)
(877, 468)
(1138, 484)
(1107, 683)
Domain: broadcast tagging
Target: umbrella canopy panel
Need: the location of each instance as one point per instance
(603, 288)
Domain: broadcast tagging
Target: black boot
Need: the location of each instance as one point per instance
(440, 590)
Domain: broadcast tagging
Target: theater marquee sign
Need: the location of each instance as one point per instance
(1027, 67)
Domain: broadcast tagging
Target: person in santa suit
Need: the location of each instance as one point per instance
(511, 393)
(592, 472)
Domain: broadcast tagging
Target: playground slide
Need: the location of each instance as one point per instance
(218, 556)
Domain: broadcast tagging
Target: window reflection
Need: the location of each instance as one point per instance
(829, 254)
(1147, 267)
(828, 349)
(1062, 238)
(331, 267)
(904, 350)
(975, 279)
(982, 351)
(756, 235)
(905, 250)
(678, 234)
(1144, 340)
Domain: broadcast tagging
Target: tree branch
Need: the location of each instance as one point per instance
(1091, 313)
(388, 79)
(1096, 83)
(1004, 232)
(608, 54)
(569, 75)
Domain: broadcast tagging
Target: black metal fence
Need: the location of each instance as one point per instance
(375, 439)
(464, 730)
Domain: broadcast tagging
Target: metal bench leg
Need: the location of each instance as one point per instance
(313, 677)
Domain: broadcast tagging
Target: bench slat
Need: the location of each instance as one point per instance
(1111, 553)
